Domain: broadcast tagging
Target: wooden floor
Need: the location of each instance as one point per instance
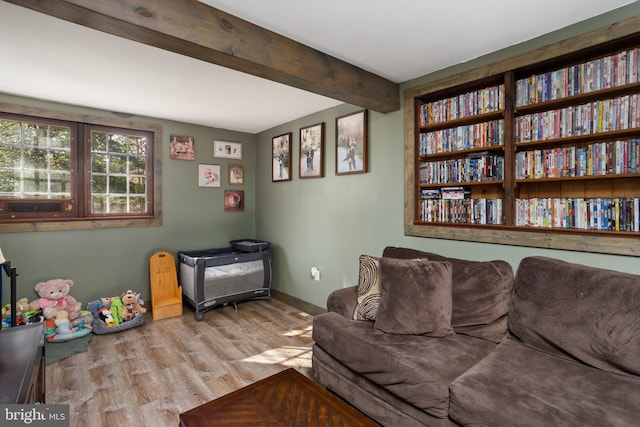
(147, 376)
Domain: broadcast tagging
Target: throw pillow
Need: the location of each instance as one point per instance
(416, 297)
(368, 288)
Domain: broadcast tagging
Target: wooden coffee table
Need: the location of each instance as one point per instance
(284, 399)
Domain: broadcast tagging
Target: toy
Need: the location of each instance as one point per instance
(54, 296)
(62, 322)
(106, 316)
(132, 305)
(117, 309)
(83, 321)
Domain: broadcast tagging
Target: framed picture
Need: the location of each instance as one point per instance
(281, 154)
(236, 174)
(208, 175)
(227, 150)
(233, 200)
(351, 143)
(182, 147)
(312, 151)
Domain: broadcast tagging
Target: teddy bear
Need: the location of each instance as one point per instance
(54, 296)
(132, 305)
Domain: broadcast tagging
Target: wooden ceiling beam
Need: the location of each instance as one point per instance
(194, 29)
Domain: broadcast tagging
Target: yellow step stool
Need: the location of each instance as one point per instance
(166, 294)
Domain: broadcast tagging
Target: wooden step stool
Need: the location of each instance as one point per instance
(166, 294)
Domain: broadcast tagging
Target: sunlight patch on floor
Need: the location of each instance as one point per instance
(306, 332)
(285, 356)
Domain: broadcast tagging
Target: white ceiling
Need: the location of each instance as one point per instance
(47, 58)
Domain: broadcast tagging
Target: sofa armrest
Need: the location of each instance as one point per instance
(343, 301)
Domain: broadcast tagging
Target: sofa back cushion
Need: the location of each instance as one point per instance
(575, 311)
(481, 293)
(416, 297)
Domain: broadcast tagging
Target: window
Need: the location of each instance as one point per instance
(117, 171)
(55, 170)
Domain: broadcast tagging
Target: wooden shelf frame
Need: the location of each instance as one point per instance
(547, 57)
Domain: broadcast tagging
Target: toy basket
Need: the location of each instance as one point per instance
(99, 327)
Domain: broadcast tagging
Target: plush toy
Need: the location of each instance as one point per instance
(132, 305)
(62, 322)
(106, 316)
(54, 296)
(117, 308)
(83, 321)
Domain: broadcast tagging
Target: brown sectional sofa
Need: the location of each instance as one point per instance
(570, 355)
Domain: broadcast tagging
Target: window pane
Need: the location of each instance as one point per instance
(60, 160)
(9, 156)
(138, 204)
(117, 204)
(117, 144)
(61, 184)
(117, 185)
(10, 132)
(98, 142)
(117, 164)
(99, 204)
(119, 171)
(137, 165)
(9, 182)
(137, 185)
(36, 183)
(36, 134)
(35, 159)
(98, 163)
(98, 184)
(60, 137)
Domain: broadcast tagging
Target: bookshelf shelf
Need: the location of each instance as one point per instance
(557, 161)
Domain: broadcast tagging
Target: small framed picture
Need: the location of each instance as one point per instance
(236, 174)
(208, 175)
(312, 151)
(182, 147)
(351, 143)
(227, 150)
(233, 200)
(281, 153)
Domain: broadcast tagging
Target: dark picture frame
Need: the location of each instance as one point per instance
(281, 157)
(311, 151)
(234, 200)
(352, 143)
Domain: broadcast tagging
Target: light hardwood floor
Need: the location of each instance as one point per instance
(147, 376)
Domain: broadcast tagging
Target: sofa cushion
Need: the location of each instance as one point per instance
(523, 386)
(416, 368)
(577, 311)
(481, 293)
(416, 297)
(368, 289)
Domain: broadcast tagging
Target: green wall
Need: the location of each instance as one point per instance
(329, 222)
(326, 222)
(109, 261)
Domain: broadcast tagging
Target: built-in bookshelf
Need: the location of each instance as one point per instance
(546, 147)
(461, 144)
